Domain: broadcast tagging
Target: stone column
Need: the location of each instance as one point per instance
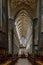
(34, 24)
(39, 22)
(12, 41)
(0, 21)
(0, 14)
(5, 23)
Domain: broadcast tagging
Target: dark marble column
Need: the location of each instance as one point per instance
(39, 23)
(12, 41)
(0, 14)
(12, 34)
(34, 24)
(5, 23)
(0, 21)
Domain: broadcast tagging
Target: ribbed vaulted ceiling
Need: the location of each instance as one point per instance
(28, 5)
(22, 22)
(22, 11)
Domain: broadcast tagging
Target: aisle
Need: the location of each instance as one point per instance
(23, 62)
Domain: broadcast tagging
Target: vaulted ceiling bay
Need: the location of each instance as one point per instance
(22, 12)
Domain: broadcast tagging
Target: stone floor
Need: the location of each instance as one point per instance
(23, 61)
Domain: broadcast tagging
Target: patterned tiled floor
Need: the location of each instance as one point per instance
(23, 62)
